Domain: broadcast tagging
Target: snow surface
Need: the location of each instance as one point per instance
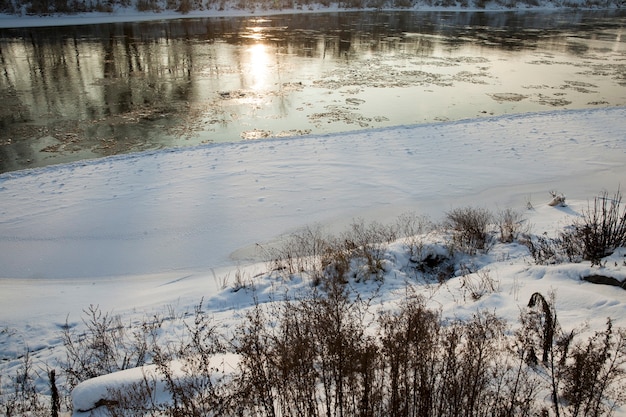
(137, 233)
(187, 210)
(89, 393)
(140, 233)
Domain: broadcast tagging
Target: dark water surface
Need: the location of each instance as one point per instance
(70, 93)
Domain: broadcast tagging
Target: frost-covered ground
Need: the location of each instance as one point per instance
(140, 233)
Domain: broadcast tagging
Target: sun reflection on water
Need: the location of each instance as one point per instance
(259, 63)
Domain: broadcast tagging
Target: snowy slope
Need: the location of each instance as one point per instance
(189, 209)
(136, 233)
(168, 215)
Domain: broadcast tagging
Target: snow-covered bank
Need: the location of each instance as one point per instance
(177, 212)
(136, 233)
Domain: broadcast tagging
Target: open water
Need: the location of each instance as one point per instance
(71, 93)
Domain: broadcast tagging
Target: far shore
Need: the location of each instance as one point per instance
(128, 15)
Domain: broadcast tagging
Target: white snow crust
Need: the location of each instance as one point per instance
(140, 232)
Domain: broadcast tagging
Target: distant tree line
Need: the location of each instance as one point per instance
(48, 7)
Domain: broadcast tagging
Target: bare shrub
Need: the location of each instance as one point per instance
(570, 246)
(346, 355)
(185, 369)
(361, 250)
(314, 357)
(479, 284)
(336, 263)
(453, 368)
(298, 357)
(510, 225)
(593, 378)
(193, 389)
(316, 360)
(23, 399)
(256, 382)
(469, 228)
(302, 251)
(544, 250)
(367, 245)
(241, 281)
(413, 227)
(602, 227)
(586, 378)
(478, 359)
(326, 354)
(105, 346)
(410, 349)
(596, 234)
(518, 384)
(184, 7)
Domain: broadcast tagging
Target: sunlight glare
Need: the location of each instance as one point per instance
(258, 66)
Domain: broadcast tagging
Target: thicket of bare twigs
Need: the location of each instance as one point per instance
(602, 228)
(469, 228)
(330, 352)
(327, 354)
(599, 230)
